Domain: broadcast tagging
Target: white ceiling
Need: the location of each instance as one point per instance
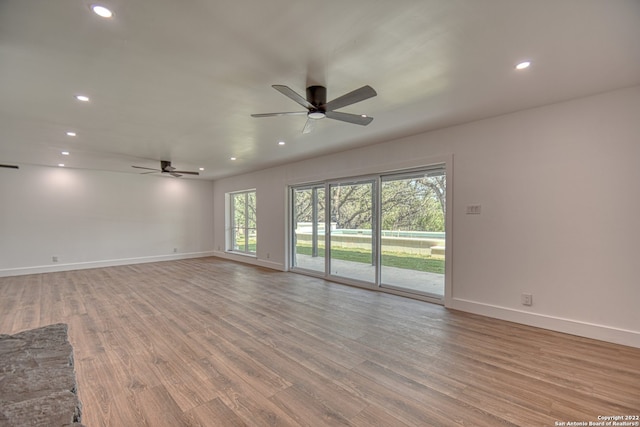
(178, 80)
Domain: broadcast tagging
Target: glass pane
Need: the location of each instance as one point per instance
(243, 222)
(251, 231)
(309, 221)
(251, 210)
(238, 209)
(413, 233)
(351, 232)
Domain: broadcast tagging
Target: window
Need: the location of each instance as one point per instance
(242, 222)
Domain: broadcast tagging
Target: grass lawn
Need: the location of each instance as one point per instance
(252, 244)
(394, 259)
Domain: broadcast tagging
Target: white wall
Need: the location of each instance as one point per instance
(559, 189)
(95, 218)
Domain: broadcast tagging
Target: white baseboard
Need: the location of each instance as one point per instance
(554, 323)
(250, 259)
(52, 268)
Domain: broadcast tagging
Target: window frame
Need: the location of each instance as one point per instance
(435, 167)
(249, 216)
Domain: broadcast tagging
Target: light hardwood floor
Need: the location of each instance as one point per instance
(214, 343)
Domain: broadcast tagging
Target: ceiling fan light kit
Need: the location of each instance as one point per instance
(316, 115)
(318, 107)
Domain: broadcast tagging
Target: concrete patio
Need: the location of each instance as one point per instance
(400, 278)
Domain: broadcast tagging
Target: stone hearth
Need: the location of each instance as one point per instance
(37, 379)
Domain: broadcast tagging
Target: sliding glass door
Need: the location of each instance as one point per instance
(413, 232)
(308, 227)
(384, 232)
(351, 233)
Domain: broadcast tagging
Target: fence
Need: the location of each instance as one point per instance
(411, 242)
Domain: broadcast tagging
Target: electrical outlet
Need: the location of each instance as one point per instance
(527, 299)
(268, 255)
(175, 250)
(54, 259)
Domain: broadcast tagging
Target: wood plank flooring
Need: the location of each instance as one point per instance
(208, 342)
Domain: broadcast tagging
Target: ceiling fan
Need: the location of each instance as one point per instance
(318, 107)
(165, 167)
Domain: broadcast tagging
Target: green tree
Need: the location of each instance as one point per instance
(409, 204)
(352, 206)
(414, 204)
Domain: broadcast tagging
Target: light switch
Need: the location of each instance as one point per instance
(474, 209)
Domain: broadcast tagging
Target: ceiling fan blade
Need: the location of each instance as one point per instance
(292, 113)
(9, 166)
(309, 126)
(145, 173)
(290, 93)
(187, 172)
(140, 167)
(175, 175)
(365, 92)
(350, 118)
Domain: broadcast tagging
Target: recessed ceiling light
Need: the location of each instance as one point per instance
(232, 158)
(281, 143)
(61, 165)
(523, 65)
(65, 153)
(201, 169)
(82, 98)
(363, 115)
(71, 133)
(101, 11)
